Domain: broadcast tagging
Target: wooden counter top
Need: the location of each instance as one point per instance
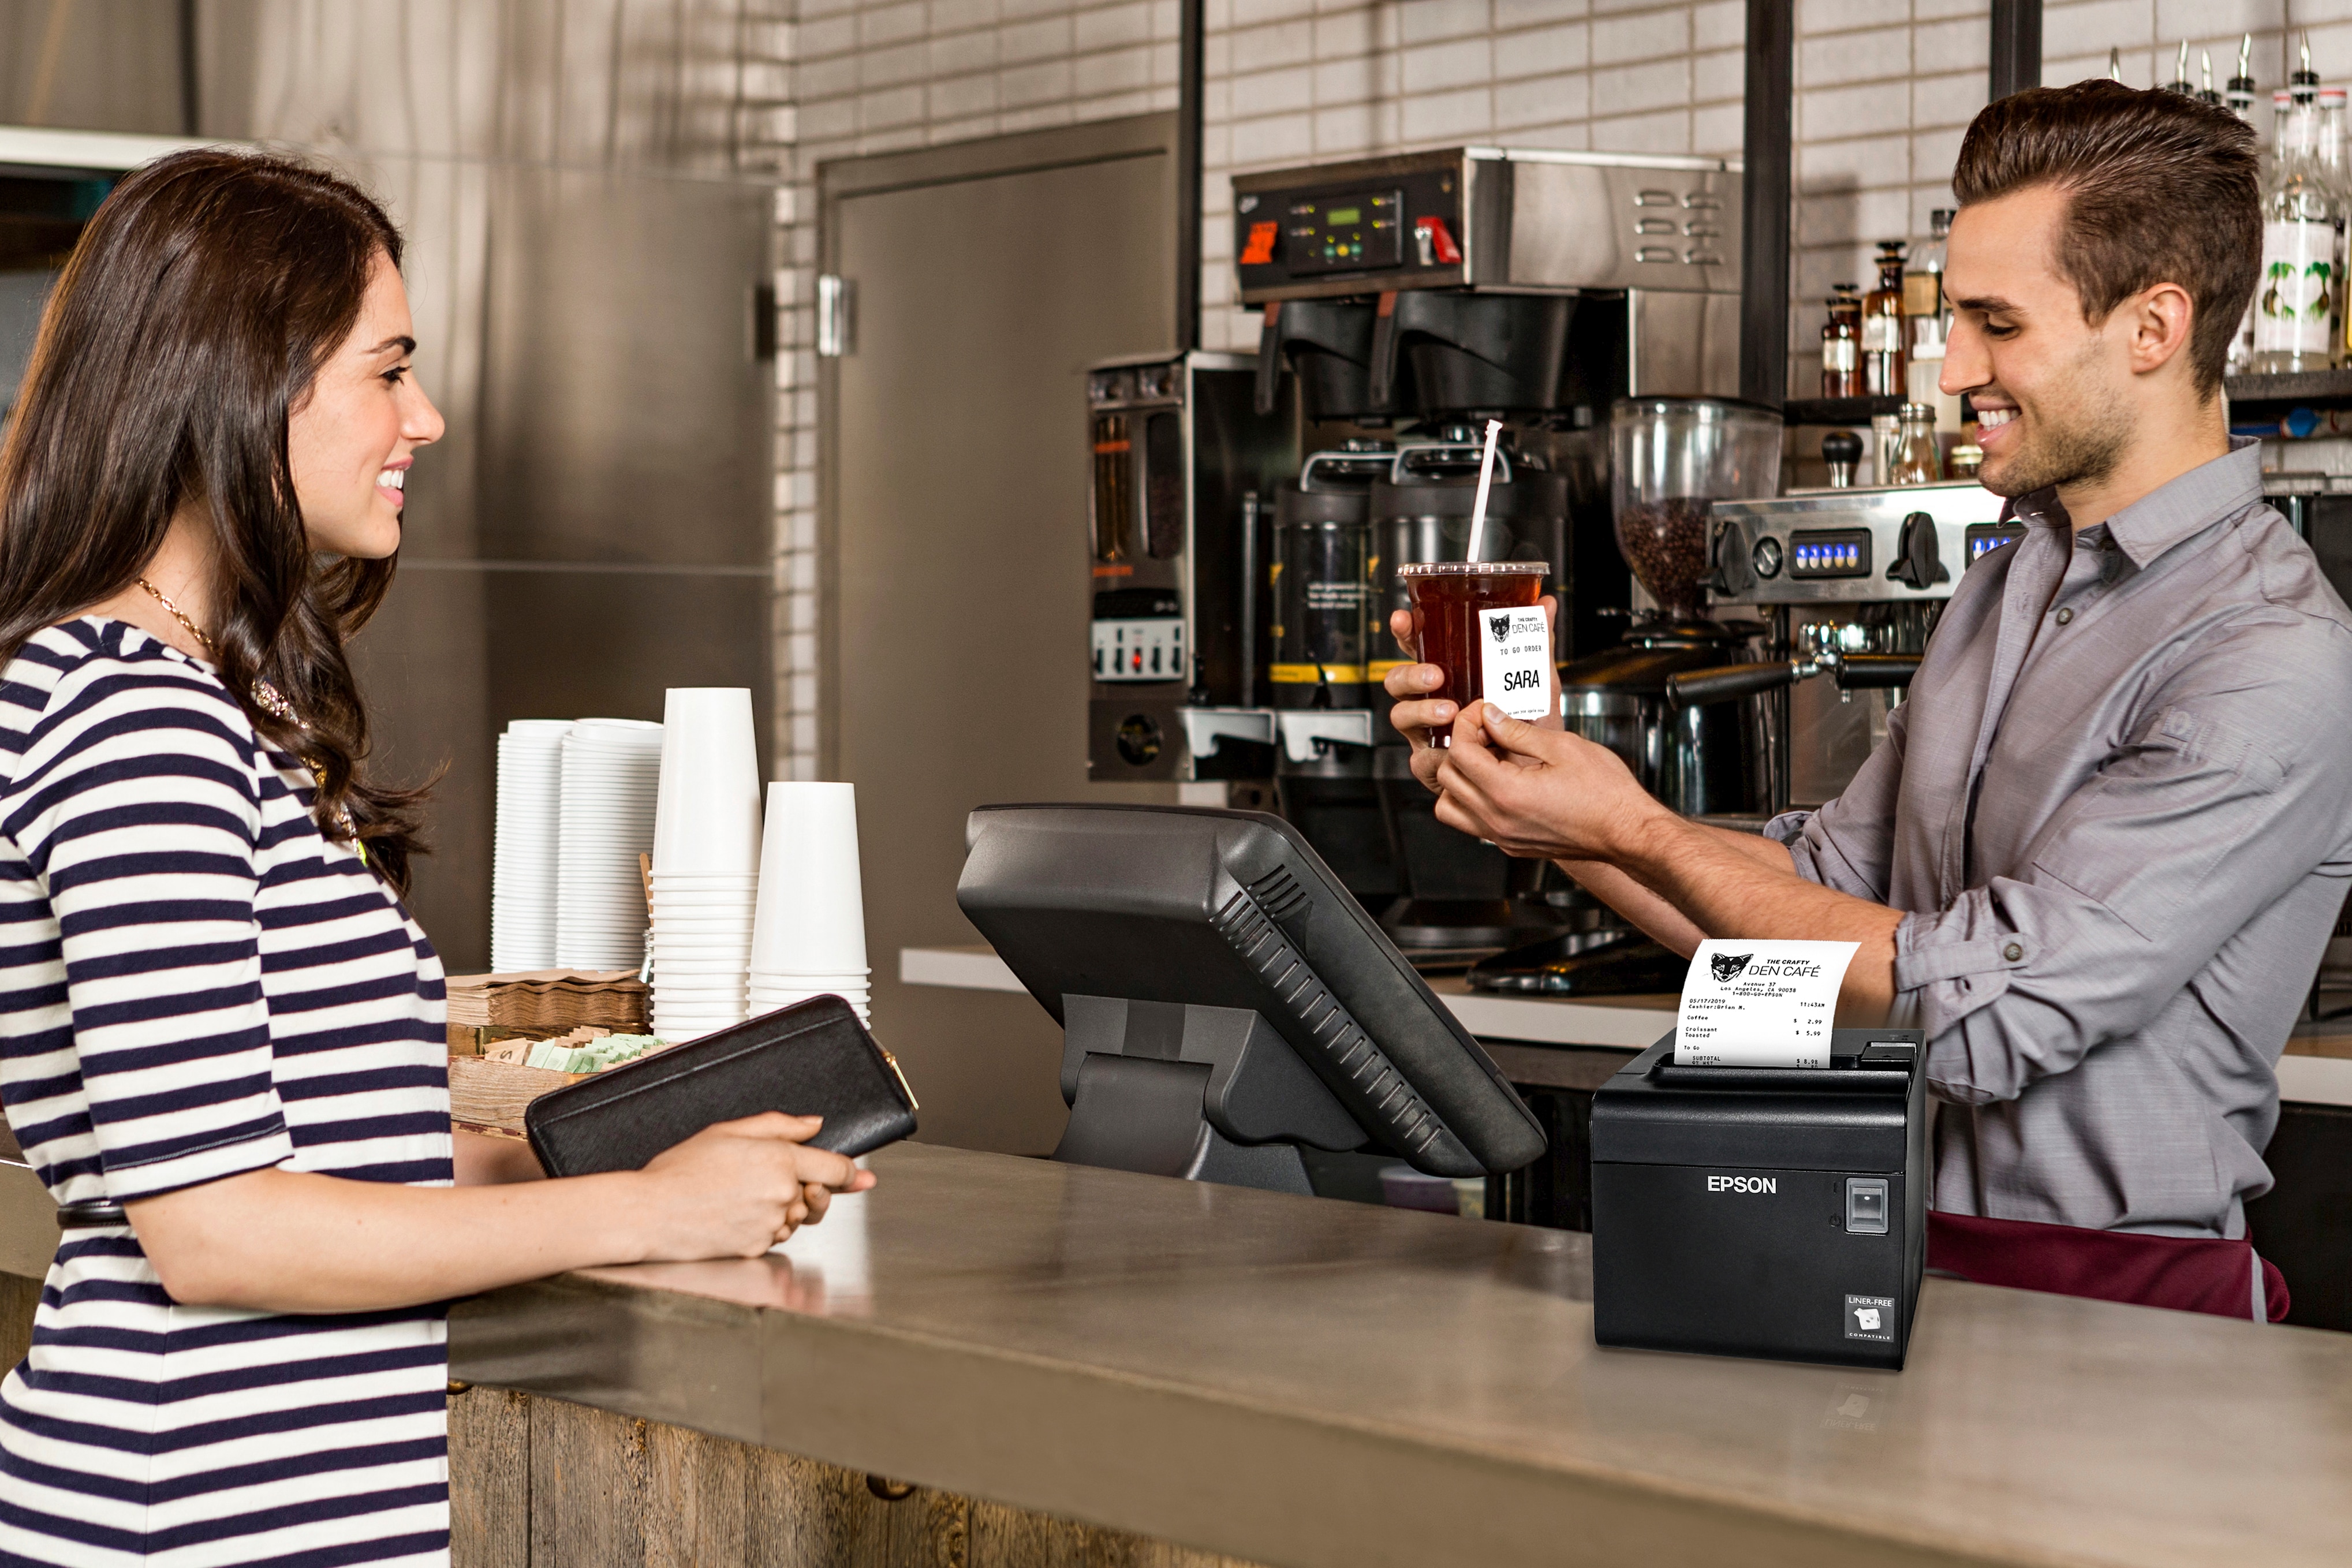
(1305, 1381)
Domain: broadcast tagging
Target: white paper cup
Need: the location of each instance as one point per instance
(708, 822)
(811, 908)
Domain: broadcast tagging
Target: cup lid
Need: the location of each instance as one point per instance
(1473, 568)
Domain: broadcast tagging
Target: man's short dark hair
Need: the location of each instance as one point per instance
(2161, 189)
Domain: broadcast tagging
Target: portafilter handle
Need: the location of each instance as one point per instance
(1853, 672)
(1730, 681)
(1877, 671)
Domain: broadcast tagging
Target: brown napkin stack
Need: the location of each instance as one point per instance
(548, 1001)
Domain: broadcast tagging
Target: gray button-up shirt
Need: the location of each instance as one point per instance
(2117, 807)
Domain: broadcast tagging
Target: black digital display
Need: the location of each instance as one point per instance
(1984, 538)
(1829, 552)
(1357, 232)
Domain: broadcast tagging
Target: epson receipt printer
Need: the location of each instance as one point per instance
(1763, 1211)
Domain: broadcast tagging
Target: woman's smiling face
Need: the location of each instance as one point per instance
(352, 438)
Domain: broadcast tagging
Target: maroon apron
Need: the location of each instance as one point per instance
(2189, 1274)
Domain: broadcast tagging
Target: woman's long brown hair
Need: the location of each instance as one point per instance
(190, 321)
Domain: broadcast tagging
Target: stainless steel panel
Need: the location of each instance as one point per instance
(423, 665)
(116, 66)
(955, 496)
(1684, 345)
(1579, 224)
(644, 85)
(625, 416)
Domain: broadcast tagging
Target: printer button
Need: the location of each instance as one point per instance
(1865, 1205)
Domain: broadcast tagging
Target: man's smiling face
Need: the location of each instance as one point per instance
(2051, 389)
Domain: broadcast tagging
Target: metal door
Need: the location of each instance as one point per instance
(982, 279)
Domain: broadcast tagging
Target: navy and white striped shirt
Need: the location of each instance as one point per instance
(194, 983)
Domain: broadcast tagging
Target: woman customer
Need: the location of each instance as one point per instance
(215, 1010)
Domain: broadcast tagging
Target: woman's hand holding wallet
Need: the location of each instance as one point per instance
(737, 1188)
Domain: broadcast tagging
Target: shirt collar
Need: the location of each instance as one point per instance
(2175, 509)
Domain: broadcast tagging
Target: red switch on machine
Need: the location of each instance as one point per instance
(1435, 244)
(1259, 250)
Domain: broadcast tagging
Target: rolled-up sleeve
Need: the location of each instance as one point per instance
(1849, 844)
(2183, 834)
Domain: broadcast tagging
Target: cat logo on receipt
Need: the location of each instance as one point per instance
(1727, 966)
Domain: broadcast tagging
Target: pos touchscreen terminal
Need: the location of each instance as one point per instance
(1223, 999)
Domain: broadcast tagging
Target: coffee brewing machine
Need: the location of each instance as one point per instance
(1405, 300)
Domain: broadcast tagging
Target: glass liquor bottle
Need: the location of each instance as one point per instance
(1884, 355)
(2295, 293)
(1927, 315)
(1841, 343)
(1917, 459)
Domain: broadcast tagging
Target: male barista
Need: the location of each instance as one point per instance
(2102, 847)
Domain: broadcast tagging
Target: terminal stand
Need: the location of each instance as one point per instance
(1204, 1093)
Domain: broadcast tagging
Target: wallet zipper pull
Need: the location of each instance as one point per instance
(899, 1073)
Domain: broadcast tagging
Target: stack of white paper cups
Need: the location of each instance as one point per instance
(706, 878)
(810, 940)
(606, 822)
(523, 847)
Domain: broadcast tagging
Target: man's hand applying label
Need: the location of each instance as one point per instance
(1539, 794)
(1416, 713)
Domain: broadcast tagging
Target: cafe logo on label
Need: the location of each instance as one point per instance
(1870, 1317)
(1498, 627)
(1727, 966)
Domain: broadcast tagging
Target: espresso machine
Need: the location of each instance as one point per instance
(1406, 299)
(1847, 584)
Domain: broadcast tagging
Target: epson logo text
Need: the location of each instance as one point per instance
(1743, 1183)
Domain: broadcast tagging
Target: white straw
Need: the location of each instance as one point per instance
(1485, 481)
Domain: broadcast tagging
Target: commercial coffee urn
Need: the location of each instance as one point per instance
(1176, 550)
(1774, 1212)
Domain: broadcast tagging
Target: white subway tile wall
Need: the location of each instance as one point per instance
(1884, 89)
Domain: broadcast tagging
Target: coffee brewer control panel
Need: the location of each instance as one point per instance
(1489, 218)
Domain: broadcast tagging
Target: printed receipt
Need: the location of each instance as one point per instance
(1760, 1003)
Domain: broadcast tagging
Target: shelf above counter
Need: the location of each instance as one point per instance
(2309, 389)
(1836, 411)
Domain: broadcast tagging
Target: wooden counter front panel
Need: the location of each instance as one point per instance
(535, 1480)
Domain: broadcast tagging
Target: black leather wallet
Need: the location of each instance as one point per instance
(812, 1058)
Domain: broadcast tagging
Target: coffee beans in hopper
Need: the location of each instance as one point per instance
(1665, 541)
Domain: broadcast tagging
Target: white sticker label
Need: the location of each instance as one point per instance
(1760, 1003)
(1516, 655)
(2295, 298)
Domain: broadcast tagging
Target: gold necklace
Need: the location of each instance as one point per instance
(270, 698)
